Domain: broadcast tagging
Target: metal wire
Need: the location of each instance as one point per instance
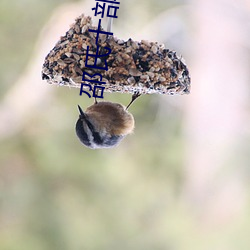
(110, 21)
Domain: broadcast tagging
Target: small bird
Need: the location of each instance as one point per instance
(104, 124)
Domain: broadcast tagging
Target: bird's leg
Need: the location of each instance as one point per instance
(134, 97)
(95, 96)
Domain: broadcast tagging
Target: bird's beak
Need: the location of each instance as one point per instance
(82, 115)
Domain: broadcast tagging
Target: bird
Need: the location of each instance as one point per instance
(104, 124)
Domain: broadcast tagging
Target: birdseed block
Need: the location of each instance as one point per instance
(144, 67)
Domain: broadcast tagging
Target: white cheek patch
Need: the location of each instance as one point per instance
(89, 133)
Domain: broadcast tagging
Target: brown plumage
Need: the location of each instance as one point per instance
(104, 124)
(111, 117)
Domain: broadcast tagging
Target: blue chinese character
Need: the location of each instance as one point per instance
(99, 31)
(113, 15)
(85, 92)
(91, 76)
(96, 56)
(102, 7)
(110, 7)
(96, 88)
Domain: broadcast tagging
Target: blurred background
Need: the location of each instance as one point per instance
(180, 182)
